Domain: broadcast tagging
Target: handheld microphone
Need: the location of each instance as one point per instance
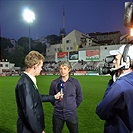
(62, 85)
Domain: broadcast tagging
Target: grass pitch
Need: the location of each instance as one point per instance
(93, 88)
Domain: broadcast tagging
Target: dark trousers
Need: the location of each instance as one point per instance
(72, 124)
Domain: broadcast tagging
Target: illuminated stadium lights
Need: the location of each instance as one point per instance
(29, 16)
(131, 33)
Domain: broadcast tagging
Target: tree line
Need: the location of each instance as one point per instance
(16, 53)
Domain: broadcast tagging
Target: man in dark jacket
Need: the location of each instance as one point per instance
(65, 107)
(117, 104)
(29, 101)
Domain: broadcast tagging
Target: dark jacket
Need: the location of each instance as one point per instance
(72, 98)
(29, 103)
(117, 106)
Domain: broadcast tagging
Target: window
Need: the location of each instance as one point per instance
(67, 48)
(68, 41)
(71, 48)
(1, 65)
(6, 65)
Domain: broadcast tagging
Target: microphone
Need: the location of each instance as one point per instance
(117, 68)
(62, 85)
(126, 65)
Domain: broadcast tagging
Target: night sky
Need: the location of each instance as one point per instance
(83, 15)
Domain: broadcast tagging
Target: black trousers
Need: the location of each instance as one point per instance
(58, 124)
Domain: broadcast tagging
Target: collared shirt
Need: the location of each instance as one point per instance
(123, 74)
(32, 78)
(66, 108)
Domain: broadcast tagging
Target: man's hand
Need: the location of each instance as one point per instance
(58, 95)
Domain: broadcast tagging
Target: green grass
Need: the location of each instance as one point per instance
(93, 88)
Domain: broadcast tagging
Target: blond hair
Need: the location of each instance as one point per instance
(33, 58)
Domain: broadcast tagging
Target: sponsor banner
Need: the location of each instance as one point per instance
(92, 55)
(94, 74)
(61, 56)
(86, 73)
(80, 73)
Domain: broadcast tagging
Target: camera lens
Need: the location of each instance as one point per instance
(105, 70)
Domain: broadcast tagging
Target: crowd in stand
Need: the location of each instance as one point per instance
(51, 67)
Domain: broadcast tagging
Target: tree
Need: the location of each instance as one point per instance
(18, 53)
(24, 42)
(53, 39)
(40, 48)
(17, 56)
(5, 44)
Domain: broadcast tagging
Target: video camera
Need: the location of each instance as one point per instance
(108, 65)
(128, 15)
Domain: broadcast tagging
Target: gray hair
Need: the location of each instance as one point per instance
(65, 63)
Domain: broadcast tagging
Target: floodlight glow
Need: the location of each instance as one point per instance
(28, 15)
(131, 32)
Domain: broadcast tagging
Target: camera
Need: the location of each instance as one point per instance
(107, 65)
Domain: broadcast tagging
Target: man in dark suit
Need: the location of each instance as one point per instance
(28, 99)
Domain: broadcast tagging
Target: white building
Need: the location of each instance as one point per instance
(78, 41)
(71, 42)
(6, 66)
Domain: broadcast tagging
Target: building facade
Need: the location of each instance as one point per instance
(76, 40)
(6, 66)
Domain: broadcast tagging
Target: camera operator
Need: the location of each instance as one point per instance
(116, 107)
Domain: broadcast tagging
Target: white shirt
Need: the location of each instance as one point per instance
(33, 78)
(123, 74)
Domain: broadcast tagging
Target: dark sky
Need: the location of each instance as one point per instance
(83, 15)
